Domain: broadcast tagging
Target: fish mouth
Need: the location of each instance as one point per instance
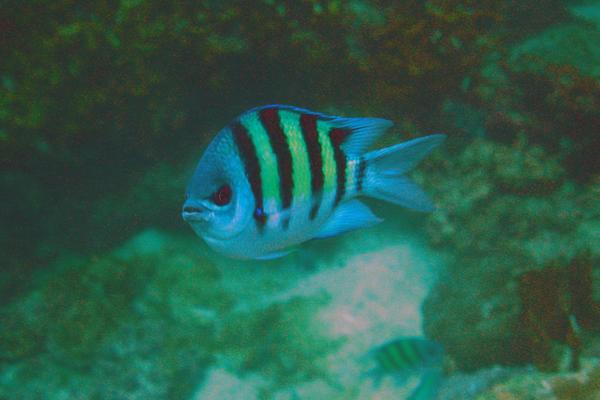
(193, 213)
(193, 216)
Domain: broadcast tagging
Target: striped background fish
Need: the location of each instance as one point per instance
(279, 175)
(413, 355)
(408, 354)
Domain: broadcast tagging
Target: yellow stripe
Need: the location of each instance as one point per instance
(290, 121)
(268, 163)
(329, 168)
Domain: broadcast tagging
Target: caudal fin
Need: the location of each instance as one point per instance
(386, 167)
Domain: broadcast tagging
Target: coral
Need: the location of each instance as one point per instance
(483, 186)
(569, 388)
(509, 205)
(583, 385)
(19, 338)
(461, 386)
(563, 106)
(504, 210)
(84, 304)
(423, 48)
(547, 88)
(131, 73)
(569, 44)
(556, 303)
(147, 321)
(291, 348)
(150, 307)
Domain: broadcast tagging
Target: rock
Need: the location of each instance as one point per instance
(504, 210)
(571, 44)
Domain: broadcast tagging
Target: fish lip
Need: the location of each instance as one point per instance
(194, 216)
(194, 211)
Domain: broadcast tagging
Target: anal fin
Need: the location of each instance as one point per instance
(348, 216)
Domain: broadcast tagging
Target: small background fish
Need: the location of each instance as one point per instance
(280, 175)
(408, 356)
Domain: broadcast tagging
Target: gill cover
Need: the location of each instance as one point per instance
(219, 170)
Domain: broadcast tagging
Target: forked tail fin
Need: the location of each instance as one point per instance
(385, 171)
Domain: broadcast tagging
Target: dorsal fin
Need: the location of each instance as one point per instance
(358, 133)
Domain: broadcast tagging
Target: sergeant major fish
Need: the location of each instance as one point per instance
(413, 355)
(278, 175)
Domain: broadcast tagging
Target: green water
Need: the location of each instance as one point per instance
(105, 292)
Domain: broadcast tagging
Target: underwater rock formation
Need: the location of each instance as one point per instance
(547, 87)
(507, 210)
(556, 304)
(582, 385)
(149, 308)
(520, 202)
(157, 309)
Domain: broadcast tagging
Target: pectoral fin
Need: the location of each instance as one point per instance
(347, 217)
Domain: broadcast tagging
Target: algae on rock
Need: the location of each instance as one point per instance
(506, 210)
(149, 310)
(282, 342)
(146, 321)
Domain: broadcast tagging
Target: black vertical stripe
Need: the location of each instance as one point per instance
(385, 362)
(403, 348)
(338, 136)
(360, 173)
(308, 123)
(394, 356)
(270, 120)
(249, 157)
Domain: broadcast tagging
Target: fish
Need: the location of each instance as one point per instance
(407, 356)
(277, 176)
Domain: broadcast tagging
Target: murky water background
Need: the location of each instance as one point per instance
(107, 294)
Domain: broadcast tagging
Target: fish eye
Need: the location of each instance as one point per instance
(222, 196)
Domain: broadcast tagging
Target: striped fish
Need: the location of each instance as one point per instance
(278, 175)
(413, 355)
(408, 354)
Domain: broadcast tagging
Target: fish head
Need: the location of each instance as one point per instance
(219, 200)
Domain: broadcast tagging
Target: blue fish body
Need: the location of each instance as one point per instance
(278, 176)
